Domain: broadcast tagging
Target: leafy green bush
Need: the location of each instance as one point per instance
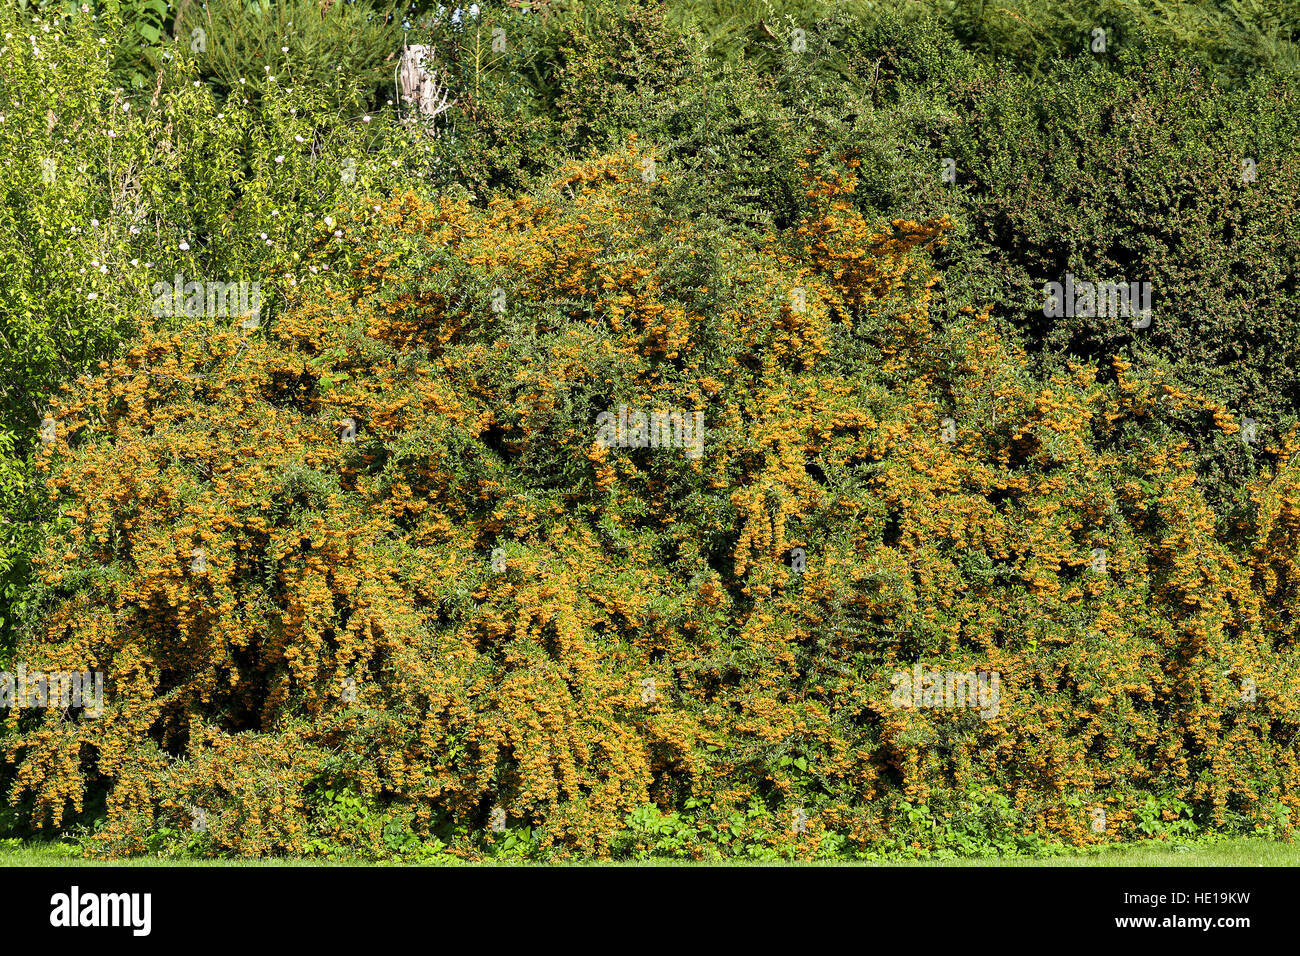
(110, 193)
(1143, 174)
(1234, 38)
(362, 578)
(344, 51)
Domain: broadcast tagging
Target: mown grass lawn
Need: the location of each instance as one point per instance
(1241, 852)
(1236, 852)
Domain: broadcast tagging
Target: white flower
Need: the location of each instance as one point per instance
(135, 262)
(297, 139)
(284, 49)
(185, 246)
(135, 230)
(111, 134)
(329, 221)
(92, 297)
(365, 119)
(103, 269)
(338, 233)
(94, 222)
(280, 158)
(126, 107)
(221, 116)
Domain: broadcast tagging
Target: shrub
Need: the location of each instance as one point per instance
(110, 193)
(1140, 175)
(346, 51)
(481, 611)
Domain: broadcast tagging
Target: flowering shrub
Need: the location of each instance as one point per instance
(108, 194)
(724, 491)
(365, 575)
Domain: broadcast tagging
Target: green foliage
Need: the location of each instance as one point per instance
(346, 51)
(1164, 817)
(1139, 174)
(1234, 38)
(744, 151)
(111, 193)
(139, 30)
(350, 825)
(496, 70)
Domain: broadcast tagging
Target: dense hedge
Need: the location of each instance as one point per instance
(498, 586)
(366, 575)
(1145, 174)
